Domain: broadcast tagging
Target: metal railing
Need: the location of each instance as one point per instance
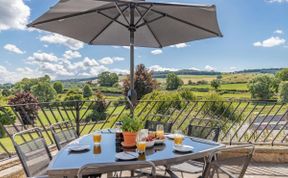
(241, 122)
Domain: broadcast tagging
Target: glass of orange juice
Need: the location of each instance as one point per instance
(141, 142)
(97, 149)
(159, 130)
(178, 138)
(141, 146)
(97, 138)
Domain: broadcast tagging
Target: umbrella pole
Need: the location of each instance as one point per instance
(133, 94)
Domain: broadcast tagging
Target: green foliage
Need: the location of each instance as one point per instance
(6, 118)
(107, 79)
(215, 84)
(69, 99)
(219, 77)
(218, 108)
(261, 87)
(283, 92)
(26, 84)
(143, 82)
(190, 82)
(98, 109)
(171, 101)
(6, 92)
(283, 74)
(130, 124)
(58, 86)
(87, 91)
(173, 82)
(26, 111)
(43, 91)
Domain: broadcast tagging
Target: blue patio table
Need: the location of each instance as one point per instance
(66, 163)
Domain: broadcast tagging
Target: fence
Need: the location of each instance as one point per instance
(240, 121)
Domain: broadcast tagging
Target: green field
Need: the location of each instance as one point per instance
(238, 86)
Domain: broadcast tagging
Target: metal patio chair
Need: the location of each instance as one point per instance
(205, 132)
(63, 133)
(116, 169)
(32, 151)
(151, 125)
(230, 162)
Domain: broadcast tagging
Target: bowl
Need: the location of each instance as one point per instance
(150, 144)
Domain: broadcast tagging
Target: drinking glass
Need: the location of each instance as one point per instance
(141, 142)
(97, 138)
(97, 149)
(178, 138)
(159, 130)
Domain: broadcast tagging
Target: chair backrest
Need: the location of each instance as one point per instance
(63, 133)
(151, 125)
(32, 151)
(231, 161)
(94, 169)
(205, 132)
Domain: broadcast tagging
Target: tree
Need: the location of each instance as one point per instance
(107, 79)
(98, 109)
(215, 84)
(261, 87)
(219, 77)
(6, 118)
(6, 92)
(173, 81)
(283, 92)
(26, 84)
(58, 87)
(43, 91)
(87, 91)
(26, 111)
(283, 74)
(143, 82)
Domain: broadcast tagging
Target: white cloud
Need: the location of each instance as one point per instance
(39, 57)
(161, 69)
(277, 1)
(233, 68)
(270, 42)
(156, 52)
(12, 48)
(90, 62)
(55, 69)
(120, 71)
(209, 68)
(8, 76)
(71, 54)
(194, 68)
(62, 40)
(180, 45)
(14, 14)
(118, 58)
(278, 32)
(106, 60)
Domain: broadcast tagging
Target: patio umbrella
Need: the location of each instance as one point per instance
(130, 23)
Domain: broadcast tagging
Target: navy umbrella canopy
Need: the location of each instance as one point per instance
(130, 23)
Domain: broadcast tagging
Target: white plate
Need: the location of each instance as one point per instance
(78, 148)
(183, 148)
(170, 136)
(159, 141)
(127, 155)
(150, 144)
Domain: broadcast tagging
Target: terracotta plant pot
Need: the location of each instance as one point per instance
(129, 138)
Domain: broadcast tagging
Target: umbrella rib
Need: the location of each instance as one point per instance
(148, 26)
(142, 16)
(91, 42)
(121, 12)
(114, 20)
(183, 21)
(71, 15)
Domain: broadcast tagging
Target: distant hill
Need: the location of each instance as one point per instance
(163, 74)
(264, 71)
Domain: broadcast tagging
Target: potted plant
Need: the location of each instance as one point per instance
(130, 127)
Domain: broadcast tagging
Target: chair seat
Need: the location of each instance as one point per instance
(190, 167)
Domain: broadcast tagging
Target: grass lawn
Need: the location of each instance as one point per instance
(238, 86)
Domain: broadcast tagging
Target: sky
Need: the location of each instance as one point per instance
(255, 36)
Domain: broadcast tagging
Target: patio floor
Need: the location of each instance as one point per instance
(254, 171)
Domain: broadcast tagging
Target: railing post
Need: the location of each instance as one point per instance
(77, 119)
